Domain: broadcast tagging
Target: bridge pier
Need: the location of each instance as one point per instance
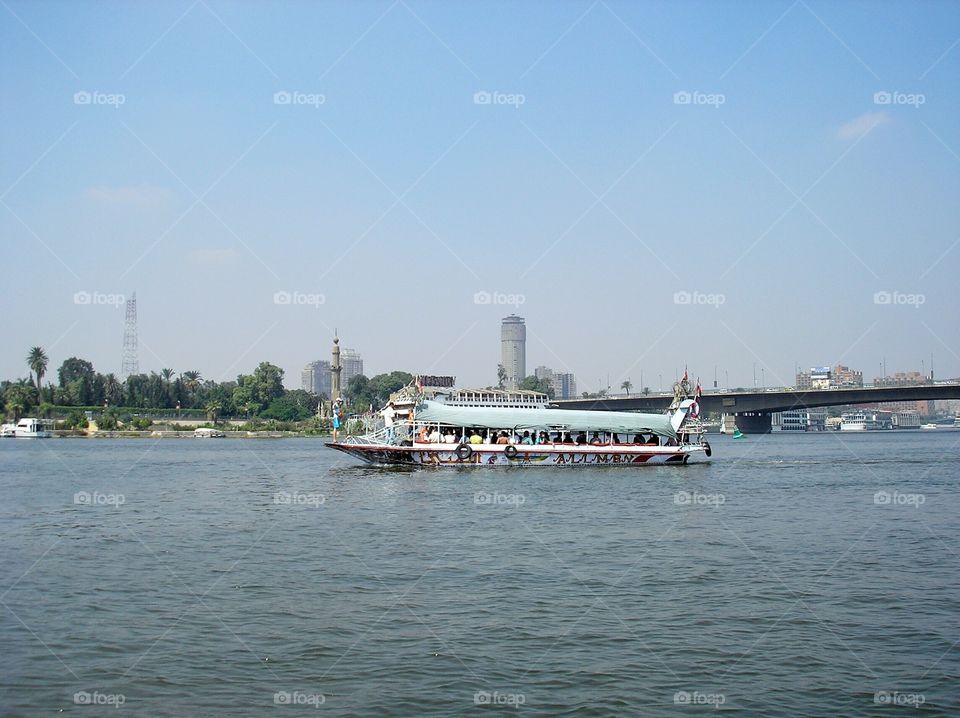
(754, 422)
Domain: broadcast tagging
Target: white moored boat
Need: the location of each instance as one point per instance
(443, 435)
(31, 429)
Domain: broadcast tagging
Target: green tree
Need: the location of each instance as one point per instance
(626, 385)
(294, 405)
(73, 369)
(532, 383)
(501, 376)
(37, 361)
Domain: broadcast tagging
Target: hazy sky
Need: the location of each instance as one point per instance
(794, 168)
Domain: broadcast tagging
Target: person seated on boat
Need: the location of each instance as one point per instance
(450, 437)
(581, 438)
(654, 440)
(503, 438)
(595, 439)
(475, 437)
(434, 436)
(525, 439)
(639, 439)
(615, 439)
(423, 436)
(544, 438)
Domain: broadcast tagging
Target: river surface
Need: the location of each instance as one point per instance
(792, 575)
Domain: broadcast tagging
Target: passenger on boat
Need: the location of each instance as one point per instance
(503, 438)
(526, 438)
(434, 436)
(581, 438)
(638, 439)
(595, 439)
(544, 438)
(615, 440)
(423, 436)
(450, 437)
(475, 437)
(388, 415)
(653, 440)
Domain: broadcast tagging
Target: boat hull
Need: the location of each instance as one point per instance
(495, 455)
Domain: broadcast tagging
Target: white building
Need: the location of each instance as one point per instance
(513, 350)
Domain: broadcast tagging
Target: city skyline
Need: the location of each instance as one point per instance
(689, 210)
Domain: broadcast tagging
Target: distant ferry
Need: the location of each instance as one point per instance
(26, 428)
(436, 433)
(928, 426)
(856, 421)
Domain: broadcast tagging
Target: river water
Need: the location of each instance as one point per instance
(793, 575)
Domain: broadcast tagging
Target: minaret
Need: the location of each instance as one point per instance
(335, 369)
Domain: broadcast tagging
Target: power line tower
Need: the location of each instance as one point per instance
(131, 364)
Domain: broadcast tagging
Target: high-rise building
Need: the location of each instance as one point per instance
(564, 385)
(513, 350)
(352, 364)
(315, 378)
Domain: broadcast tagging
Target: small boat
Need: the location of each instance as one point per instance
(8, 431)
(723, 424)
(207, 433)
(928, 426)
(29, 428)
(440, 434)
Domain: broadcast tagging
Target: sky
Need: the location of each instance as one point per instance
(736, 187)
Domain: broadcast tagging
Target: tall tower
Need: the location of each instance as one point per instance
(513, 350)
(131, 362)
(335, 369)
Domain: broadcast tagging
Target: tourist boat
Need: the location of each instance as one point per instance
(8, 431)
(856, 421)
(927, 427)
(31, 429)
(207, 433)
(671, 438)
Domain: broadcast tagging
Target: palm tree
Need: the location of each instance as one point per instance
(191, 380)
(626, 385)
(213, 411)
(37, 361)
(166, 374)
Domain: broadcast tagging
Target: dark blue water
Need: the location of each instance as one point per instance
(246, 577)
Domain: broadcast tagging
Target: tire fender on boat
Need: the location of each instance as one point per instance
(510, 452)
(464, 452)
(706, 448)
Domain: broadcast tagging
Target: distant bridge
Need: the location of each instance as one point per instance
(753, 408)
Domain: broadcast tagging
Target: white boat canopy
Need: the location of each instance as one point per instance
(618, 422)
